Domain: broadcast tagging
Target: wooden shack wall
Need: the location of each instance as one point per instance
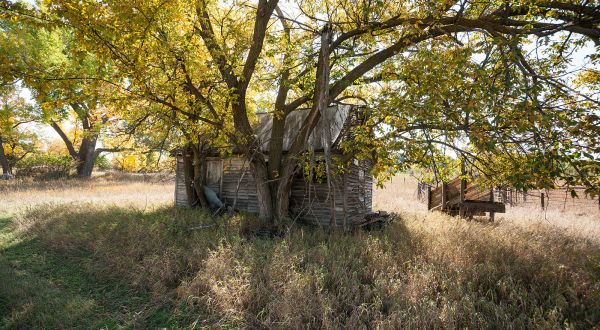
(224, 177)
(237, 184)
(180, 192)
(308, 199)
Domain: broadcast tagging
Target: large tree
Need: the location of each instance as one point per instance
(215, 63)
(70, 84)
(505, 121)
(15, 141)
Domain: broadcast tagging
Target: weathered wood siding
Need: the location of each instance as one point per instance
(180, 193)
(236, 185)
(231, 179)
(310, 200)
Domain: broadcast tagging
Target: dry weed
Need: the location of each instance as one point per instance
(422, 271)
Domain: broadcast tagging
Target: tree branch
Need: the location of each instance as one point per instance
(98, 151)
(65, 139)
(263, 14)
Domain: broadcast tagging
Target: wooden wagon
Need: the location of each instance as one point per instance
(459, 197)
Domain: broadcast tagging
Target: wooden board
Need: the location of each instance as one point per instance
(180, 192)
(473, 192)
(484, 206)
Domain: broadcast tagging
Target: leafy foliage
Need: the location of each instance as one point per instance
(17, 141)
(67, 81)
(45, 166)
(497, 84)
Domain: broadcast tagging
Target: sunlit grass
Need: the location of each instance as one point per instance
(116, 189)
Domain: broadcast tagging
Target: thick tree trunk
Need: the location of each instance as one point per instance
(280, 180)
(239, 85)
(188, 174)
(284, 188)
(87, 157)
(6, 170)
(258, 164)
(199, 174)
(281, 170)
(321, 101)
(258, 168)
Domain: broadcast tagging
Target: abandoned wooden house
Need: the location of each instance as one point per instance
(230, 178)
(467, 199)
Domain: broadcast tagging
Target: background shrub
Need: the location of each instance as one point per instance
(45, 166)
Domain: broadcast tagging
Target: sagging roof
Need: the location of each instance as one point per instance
(336, 116)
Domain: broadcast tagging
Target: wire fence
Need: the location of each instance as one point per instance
(560, 198)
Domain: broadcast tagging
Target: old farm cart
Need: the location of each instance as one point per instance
(459, 197)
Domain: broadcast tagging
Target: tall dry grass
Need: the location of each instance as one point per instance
(107, 188)
(422, 271)
(418, 273)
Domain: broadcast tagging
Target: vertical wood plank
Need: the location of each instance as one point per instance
(463, 188)
(444, 195)
(428, 197)
(221, 180)
(492, 214)
(188, 170)
(542, 200)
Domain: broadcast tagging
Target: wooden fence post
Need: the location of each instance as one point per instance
(492, 214)
(444, 195)
(428, 197)
(542, 200)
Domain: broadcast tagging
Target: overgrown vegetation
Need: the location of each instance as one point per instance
(507, 91)
(81, 265)
(45, 165)
(509, 87)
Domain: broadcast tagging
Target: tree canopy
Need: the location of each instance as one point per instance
(504, 85)
(68, 82)
(15, 143)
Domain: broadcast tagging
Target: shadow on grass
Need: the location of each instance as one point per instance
(44, 288)
(92, 266)
(104, 266)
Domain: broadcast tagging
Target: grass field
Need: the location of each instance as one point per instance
(114, 253)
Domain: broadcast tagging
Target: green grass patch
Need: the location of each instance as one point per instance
(44, 288)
